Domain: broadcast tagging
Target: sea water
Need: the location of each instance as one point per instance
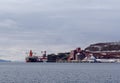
(59, 73)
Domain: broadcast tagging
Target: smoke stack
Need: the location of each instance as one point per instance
(31, 53)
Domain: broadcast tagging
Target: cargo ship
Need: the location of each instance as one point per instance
(33, 58)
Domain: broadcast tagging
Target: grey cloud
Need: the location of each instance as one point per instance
(56, 25)
(7, 23)
(30, 6)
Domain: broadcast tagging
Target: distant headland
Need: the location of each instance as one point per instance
(1, 60)
(98, 52)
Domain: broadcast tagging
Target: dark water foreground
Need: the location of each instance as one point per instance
(59, 73)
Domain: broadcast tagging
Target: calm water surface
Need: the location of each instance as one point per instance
(59, 73)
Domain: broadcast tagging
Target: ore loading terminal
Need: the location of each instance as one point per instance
(95, 53)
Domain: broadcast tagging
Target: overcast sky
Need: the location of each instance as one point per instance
(55, 25)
